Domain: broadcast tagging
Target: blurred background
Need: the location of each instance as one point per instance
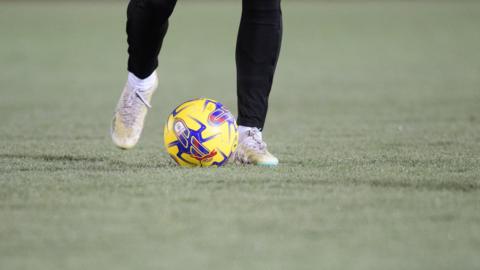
(374, 114)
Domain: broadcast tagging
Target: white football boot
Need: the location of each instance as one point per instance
(252, 149)
(127, 124)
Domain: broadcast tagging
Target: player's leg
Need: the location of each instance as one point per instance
(258, 47)
(147, 24)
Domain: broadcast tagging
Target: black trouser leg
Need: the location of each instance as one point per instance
(258, 48)
(147, 24)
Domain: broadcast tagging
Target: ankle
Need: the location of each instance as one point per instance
(243, 132)
(143, 84)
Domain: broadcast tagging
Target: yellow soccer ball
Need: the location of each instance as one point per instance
(201, 133)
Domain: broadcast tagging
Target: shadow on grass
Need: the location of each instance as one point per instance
(53, 163)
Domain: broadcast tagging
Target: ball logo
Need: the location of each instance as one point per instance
(181, 132)
(219, 116)
(195, 147)
(200, 152)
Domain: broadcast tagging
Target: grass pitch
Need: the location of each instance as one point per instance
(375, 116)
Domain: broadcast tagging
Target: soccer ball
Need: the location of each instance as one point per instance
(201, 133)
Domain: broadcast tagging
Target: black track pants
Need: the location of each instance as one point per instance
(258, 47)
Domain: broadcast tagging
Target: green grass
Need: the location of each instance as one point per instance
(375, 116)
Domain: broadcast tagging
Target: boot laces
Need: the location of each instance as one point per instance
(254, 140)
(133, 103)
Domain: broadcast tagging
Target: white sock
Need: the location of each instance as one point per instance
(143, 84)
(243, 131)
